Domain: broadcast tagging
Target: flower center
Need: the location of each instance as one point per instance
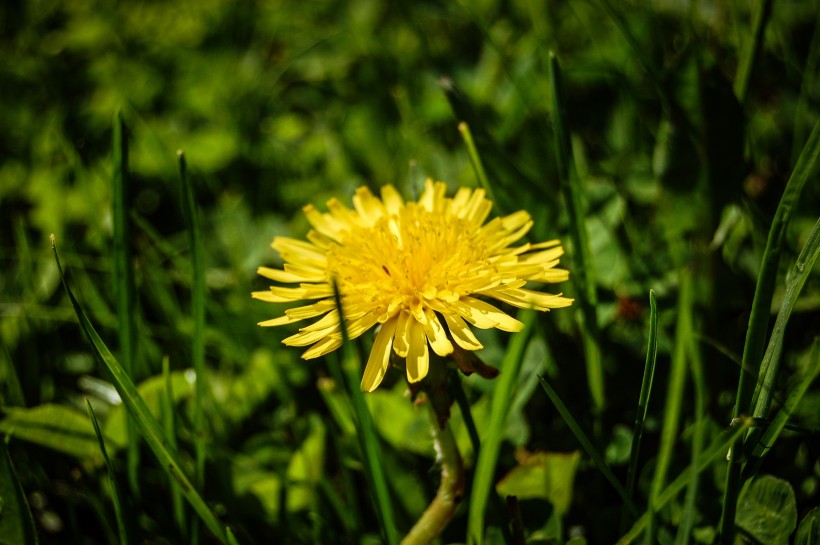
(406, 261)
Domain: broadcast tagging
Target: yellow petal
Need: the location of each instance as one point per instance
(304, 338)
(309, 311)
(461, 332)
(392, 200)
(418, 357)
(282, 320)
(379, 358)
(439, 342)
(487, 312)
(368, 206)
(266, 296)
(321, 348)
(401, 344)
(282, 276)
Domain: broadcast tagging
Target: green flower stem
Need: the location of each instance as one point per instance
(450, 490)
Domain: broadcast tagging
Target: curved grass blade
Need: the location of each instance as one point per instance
(366, 431)
(643, 402)
(588, 447)
(771, 360)
(778, 423)
(124, 281)
(16, 524)
(116, 496)
(582, 256)
(147, 424)
(500, 406)
(759, 319)
(674, 401)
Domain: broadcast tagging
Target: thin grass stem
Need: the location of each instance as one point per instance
(643, 403)
(124, 282)
(116, 496)
(674, 402)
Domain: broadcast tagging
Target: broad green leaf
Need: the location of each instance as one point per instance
(767, 510)
(808, 533)
(58, 427)
(406, 428)
(16, 523)
(543, 475)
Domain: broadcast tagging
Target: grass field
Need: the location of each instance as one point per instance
(150, 152)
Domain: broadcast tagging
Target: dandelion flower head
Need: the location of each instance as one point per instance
(419, 271)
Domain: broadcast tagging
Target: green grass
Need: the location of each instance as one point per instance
(673, 152)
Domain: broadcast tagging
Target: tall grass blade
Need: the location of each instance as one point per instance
(762, 12)
(643, 402)
(500, 406)
(582, 256)
(169, 423)
(674, 402)
(475, 159)
(124, 281)
(770, 366)
(756, 332)
(189, 212)
(116, 496)
(588, 447)
(369, 441)
(146, 423)
(16, 522)
(716, 451)
(690, 511)
(198, 312)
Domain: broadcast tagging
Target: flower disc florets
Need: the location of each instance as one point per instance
(416, 269)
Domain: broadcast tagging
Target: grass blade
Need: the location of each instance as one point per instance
(116, 497)
(741, 88)
(500, 406)
(146, 423)
(582, 256)
(124, 281)
(643, 401)
(715, 451)
(759, 318)
(16, 524)
(198, 312)
(778, 423)
(674, 401)
(475, 160)
(689, 515)
(169, 423)
(588, 447)
(369, 441)
(771, 360)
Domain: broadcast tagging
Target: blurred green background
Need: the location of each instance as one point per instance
(279, 104)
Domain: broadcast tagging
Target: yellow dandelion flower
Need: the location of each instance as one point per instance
(416, 269)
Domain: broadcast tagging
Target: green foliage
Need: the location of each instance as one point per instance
(767, 511)
(16, 523)
(676, 139)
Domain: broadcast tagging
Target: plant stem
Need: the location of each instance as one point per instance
(450, 490)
